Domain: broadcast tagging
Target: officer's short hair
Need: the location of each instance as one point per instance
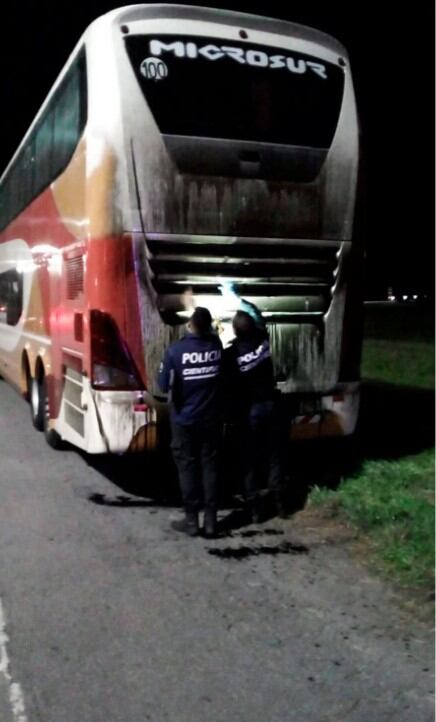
(243, 324)
(201, 320)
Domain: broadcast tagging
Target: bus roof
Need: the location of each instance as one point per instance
(225, 17)
(132, 13)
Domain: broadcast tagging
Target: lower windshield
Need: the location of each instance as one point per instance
(212, 88)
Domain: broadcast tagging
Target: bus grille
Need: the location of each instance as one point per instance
(74, 274)
(279, 275)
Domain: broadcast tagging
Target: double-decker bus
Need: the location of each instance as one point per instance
(181, 147)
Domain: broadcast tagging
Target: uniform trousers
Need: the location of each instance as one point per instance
(195, 452)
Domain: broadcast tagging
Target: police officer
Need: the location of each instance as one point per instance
(191, 372)
(249, 372)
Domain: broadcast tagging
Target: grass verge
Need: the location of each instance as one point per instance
(392, 503)
(399, 362)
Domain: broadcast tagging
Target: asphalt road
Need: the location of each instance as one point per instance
(109, 616)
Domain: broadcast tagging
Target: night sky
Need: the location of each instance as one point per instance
(391, 46)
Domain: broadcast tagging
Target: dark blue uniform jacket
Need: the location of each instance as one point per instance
(249, 368)
(191, 372)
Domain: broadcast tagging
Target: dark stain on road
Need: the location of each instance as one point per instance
(243, 552)
(258, 532)
(120, 500)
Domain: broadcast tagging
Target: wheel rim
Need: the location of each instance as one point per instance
(46, 411)
(34, 397)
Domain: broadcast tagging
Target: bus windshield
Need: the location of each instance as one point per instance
(212, 88)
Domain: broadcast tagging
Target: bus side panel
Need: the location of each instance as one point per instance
(42, 238)
(111, 286)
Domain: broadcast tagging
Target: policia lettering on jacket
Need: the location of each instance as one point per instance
(194, 371)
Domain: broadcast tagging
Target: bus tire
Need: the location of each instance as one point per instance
(26, 378)
(37, 403)
(51, 436)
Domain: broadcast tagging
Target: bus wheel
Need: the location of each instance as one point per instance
(52, 437)
(36, 404)
(27, 379)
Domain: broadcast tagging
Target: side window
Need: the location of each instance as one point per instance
(43, 153)
(66, 122)
(11, 297)
(50, 146)
(24, 176)
(4, 203)
(14, 185)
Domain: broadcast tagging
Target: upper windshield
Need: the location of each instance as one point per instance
(212, 88)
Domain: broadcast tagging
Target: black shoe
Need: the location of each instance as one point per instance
(210, 528)
(188, 525)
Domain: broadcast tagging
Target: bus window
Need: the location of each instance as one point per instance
(43, 152)
(209, 88)
(49, 147)
(11, 297)
(67, 123)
